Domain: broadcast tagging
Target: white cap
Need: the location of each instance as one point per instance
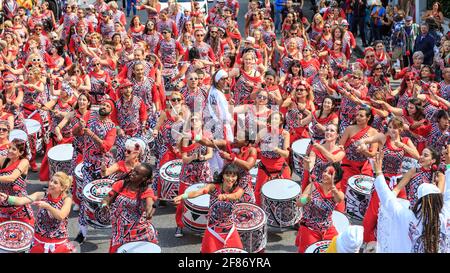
(350, 240)
(425, 189)
(344, 22)
(131, 143)
(250, 39)
(220, 74)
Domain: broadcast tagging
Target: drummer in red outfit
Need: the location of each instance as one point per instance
(13, 172)
(4, 139)
(50, 232)
(131, 205)
(356, 160)
(394, 150)
(318, 202)
(224, 194)
(274, 144)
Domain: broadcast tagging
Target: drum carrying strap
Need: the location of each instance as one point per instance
(275, 174)
(218, 237)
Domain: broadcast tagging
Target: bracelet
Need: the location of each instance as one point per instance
(378, 173)
(185, 196)
(11, 200)
(304, 200)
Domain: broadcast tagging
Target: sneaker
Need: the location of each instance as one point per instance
(80, 238)
(179, 232)
(76, 207)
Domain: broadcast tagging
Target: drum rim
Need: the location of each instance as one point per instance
(164, 167)
(91, 184)
(140, 242)
(300, 141)
(24, 134)
(79, 167)
(50, 153)
(261, 224)
(285, 199)
(18, 249)
(32, 124)
(189, 200)
(234, 248)
(351, 183)
(313, 244)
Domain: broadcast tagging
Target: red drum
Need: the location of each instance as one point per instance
(94, 192)
(279, 202)
(15, 237)
(318, 247)
(358, 196)
(230, 250)
(60, 159)
(251, 223)
(195, 214)
(170, 177)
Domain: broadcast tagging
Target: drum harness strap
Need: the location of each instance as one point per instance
(50, 246)
(218, 237)
(274, 174)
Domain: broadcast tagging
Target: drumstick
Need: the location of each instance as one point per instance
(32, 114)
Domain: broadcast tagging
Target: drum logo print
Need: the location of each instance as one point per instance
(15, 236)
(221, 215)
(245, 218)
(102, 215)
(100, 190)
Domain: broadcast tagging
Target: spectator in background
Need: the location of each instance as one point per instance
(425, 43)
(278, 11)
(358, 19)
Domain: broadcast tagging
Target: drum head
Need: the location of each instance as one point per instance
(139, 247)
(248, 216)
(61, 152)
(280, 189)
(78, 172)
(301, 146)
(18, 134)
(230, 250)
(33, 126)
(171, 170)
(97, 190)
(200, 201)
(15, 236)
(340, 221)
(318, 247)
(361, 183)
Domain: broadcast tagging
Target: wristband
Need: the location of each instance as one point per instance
(185, 196)
(304, 200)
(197, 138)
(103, 205)
(11, 200)
(447, 166)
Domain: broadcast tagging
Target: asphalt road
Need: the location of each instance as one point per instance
(164, 219)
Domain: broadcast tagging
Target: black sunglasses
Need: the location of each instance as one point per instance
(4, 130)
(176, 100)
(8, 82)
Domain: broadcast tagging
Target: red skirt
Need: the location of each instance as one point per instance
(306, 237)
(47, 245)
(213, 241)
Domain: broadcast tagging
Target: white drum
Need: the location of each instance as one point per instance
(15, 237)
(170, 179)
(60, 159)
(299, 150)
(230, 250)
(195, 212)
(340, 221)
(34, 131)
(358, 194)
(318, 247)
(139, 247)
(279, 202)
(18, 134)
(94, 192)
(78, 180)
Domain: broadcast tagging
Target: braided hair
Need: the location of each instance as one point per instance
(427, 210)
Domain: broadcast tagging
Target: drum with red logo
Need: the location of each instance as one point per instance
(251, 223)
(318, 247)
(279, 202)
(230, 250)
(195, 212)
(358, 196)
(94, 192)
(60, 159)
(15, 237)
(170, 177)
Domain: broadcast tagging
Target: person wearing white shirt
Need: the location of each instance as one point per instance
(424, 228)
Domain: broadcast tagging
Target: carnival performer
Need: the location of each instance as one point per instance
(99, 137)
(130, 202)
(195, 168)
(51, 233)
(13, 173)
(224, 194)
(318, 202)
